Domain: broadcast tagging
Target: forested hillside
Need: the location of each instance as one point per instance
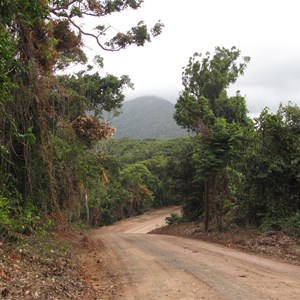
(147, 118)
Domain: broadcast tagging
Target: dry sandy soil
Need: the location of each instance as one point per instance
(122, 261)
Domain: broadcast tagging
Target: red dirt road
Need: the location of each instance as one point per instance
(151, 266)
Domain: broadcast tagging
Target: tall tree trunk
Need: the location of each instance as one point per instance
(86, 202)
(206, 206)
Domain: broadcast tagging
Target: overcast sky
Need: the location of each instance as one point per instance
(265, 30)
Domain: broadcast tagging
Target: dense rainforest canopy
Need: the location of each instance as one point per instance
(249, 168)
(56, 162)
(44, 126)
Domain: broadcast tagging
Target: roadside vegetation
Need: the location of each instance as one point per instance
(56, 166)
(59, 165)
(50, 170)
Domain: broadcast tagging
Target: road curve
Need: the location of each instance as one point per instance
(165, 267)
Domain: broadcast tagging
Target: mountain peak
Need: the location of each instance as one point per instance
(147, 117)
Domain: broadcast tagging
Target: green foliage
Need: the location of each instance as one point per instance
(7, 63)
(137, 35)
(205, 84)
(94, 93)
(27, 137)
(182, 184)
(139, 177)
(289, 224)
(45, 169)
(106, 93)
(175, 218)
(193, 112)
(143, 162)
(293, 222)
(272, 165)
(130, 151)
(15, 219)
(27, 220)
(137, 181)
(221, 145)
(4, 211)
(220, 122)
(233, 109)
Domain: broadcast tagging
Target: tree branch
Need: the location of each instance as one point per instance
(94, 36)
(66, 6)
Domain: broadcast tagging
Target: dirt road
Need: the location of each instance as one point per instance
(165, 267)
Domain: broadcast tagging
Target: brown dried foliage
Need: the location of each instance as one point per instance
(89, 129)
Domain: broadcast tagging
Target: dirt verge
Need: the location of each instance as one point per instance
(50, 267)
(280, 245)
(72, 264)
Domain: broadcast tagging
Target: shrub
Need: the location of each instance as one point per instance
(293, 221)
(175, 218)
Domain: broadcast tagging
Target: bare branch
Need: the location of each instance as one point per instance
(94, 36)
(66, 6)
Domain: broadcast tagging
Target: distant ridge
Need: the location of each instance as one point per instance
(147, 117)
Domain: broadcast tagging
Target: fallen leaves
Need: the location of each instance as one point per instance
(41, 268)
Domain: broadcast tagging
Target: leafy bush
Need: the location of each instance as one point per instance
(175, 218)
(25, 220)
(4, 211)
(293, 221)
(15, 219)
(6, 231)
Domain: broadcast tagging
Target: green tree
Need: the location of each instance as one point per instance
(136, 179)
(91, 92)
(271, 167)
(156, 155)
(182, 183)
(70, 11)
(212, 157)
(37, 38)
(204, 95)
(205, 108)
